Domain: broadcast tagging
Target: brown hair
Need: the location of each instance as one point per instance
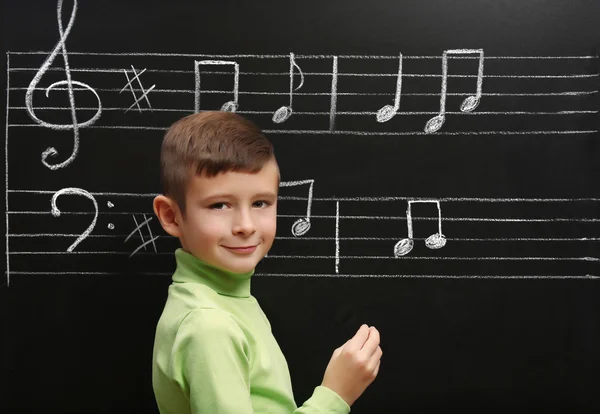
(210, 143)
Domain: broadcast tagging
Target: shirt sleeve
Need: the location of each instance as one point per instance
(324, 401)
(211, 363)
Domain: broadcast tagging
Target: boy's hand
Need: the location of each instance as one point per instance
(354, 365)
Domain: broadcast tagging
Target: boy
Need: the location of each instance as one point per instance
(214, 351)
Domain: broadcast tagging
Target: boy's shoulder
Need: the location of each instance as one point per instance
(197, 303)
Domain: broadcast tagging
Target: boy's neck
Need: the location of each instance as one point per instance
(224, 282)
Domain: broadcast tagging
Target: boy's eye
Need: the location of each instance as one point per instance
(218, 206)
(261, 204)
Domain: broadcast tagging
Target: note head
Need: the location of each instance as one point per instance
(229, 107)
(403, 247)
(300, 227)
(386, 113)
(435, 241)
(469, 104)
(434, 124)
(282, 114)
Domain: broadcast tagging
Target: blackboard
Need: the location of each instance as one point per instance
(495, 308)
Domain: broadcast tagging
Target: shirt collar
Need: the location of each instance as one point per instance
(224, 282)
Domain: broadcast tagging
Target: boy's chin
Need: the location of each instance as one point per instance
(243, 267)
(239, 269)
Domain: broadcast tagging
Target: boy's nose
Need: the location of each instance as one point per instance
(243, 223)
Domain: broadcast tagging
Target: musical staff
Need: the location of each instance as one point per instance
(564, 107)
(478, 240)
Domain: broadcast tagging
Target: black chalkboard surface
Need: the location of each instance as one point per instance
(440, 164)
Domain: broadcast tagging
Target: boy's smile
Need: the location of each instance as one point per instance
(231, 218)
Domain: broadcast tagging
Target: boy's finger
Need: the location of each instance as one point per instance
(358, 340)
(372, 343)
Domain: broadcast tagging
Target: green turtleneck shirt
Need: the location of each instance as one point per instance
(214, 351)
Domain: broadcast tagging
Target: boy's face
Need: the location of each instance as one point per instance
(231, 218)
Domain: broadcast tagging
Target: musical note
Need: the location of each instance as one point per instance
(301, 226)
(56, 212)
(283, 113)
(470, 102)
(60, 45)
(388, 112)
(229, 106)
(435, 241)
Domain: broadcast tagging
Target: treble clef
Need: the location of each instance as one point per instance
(51, 151)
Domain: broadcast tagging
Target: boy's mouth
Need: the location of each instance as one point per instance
(241, 249)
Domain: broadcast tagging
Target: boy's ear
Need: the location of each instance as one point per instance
(167, 211)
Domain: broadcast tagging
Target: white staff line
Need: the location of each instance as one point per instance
(329, 132)
(216, 91)
(341, 276)
(586, 259)
(6, 169)
(455, 239)
(89, 273)
(485, 219)
(400, 218)
(278, 56)
(446, 199)
(360, 199)
(369, 113)
(387, 276)
(414, 133)
(350, 74)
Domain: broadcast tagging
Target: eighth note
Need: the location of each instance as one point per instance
(283, 113)
(388, 112)
(301, 226)
(229, 106)
(435, 241)
(51, 151)
(470, 102)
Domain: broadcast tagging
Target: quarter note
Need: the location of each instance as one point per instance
(229, 106)
(283, 113)
(75, 125)
(470, 102)
(435, 241)
(389, 111)
(302, 225)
